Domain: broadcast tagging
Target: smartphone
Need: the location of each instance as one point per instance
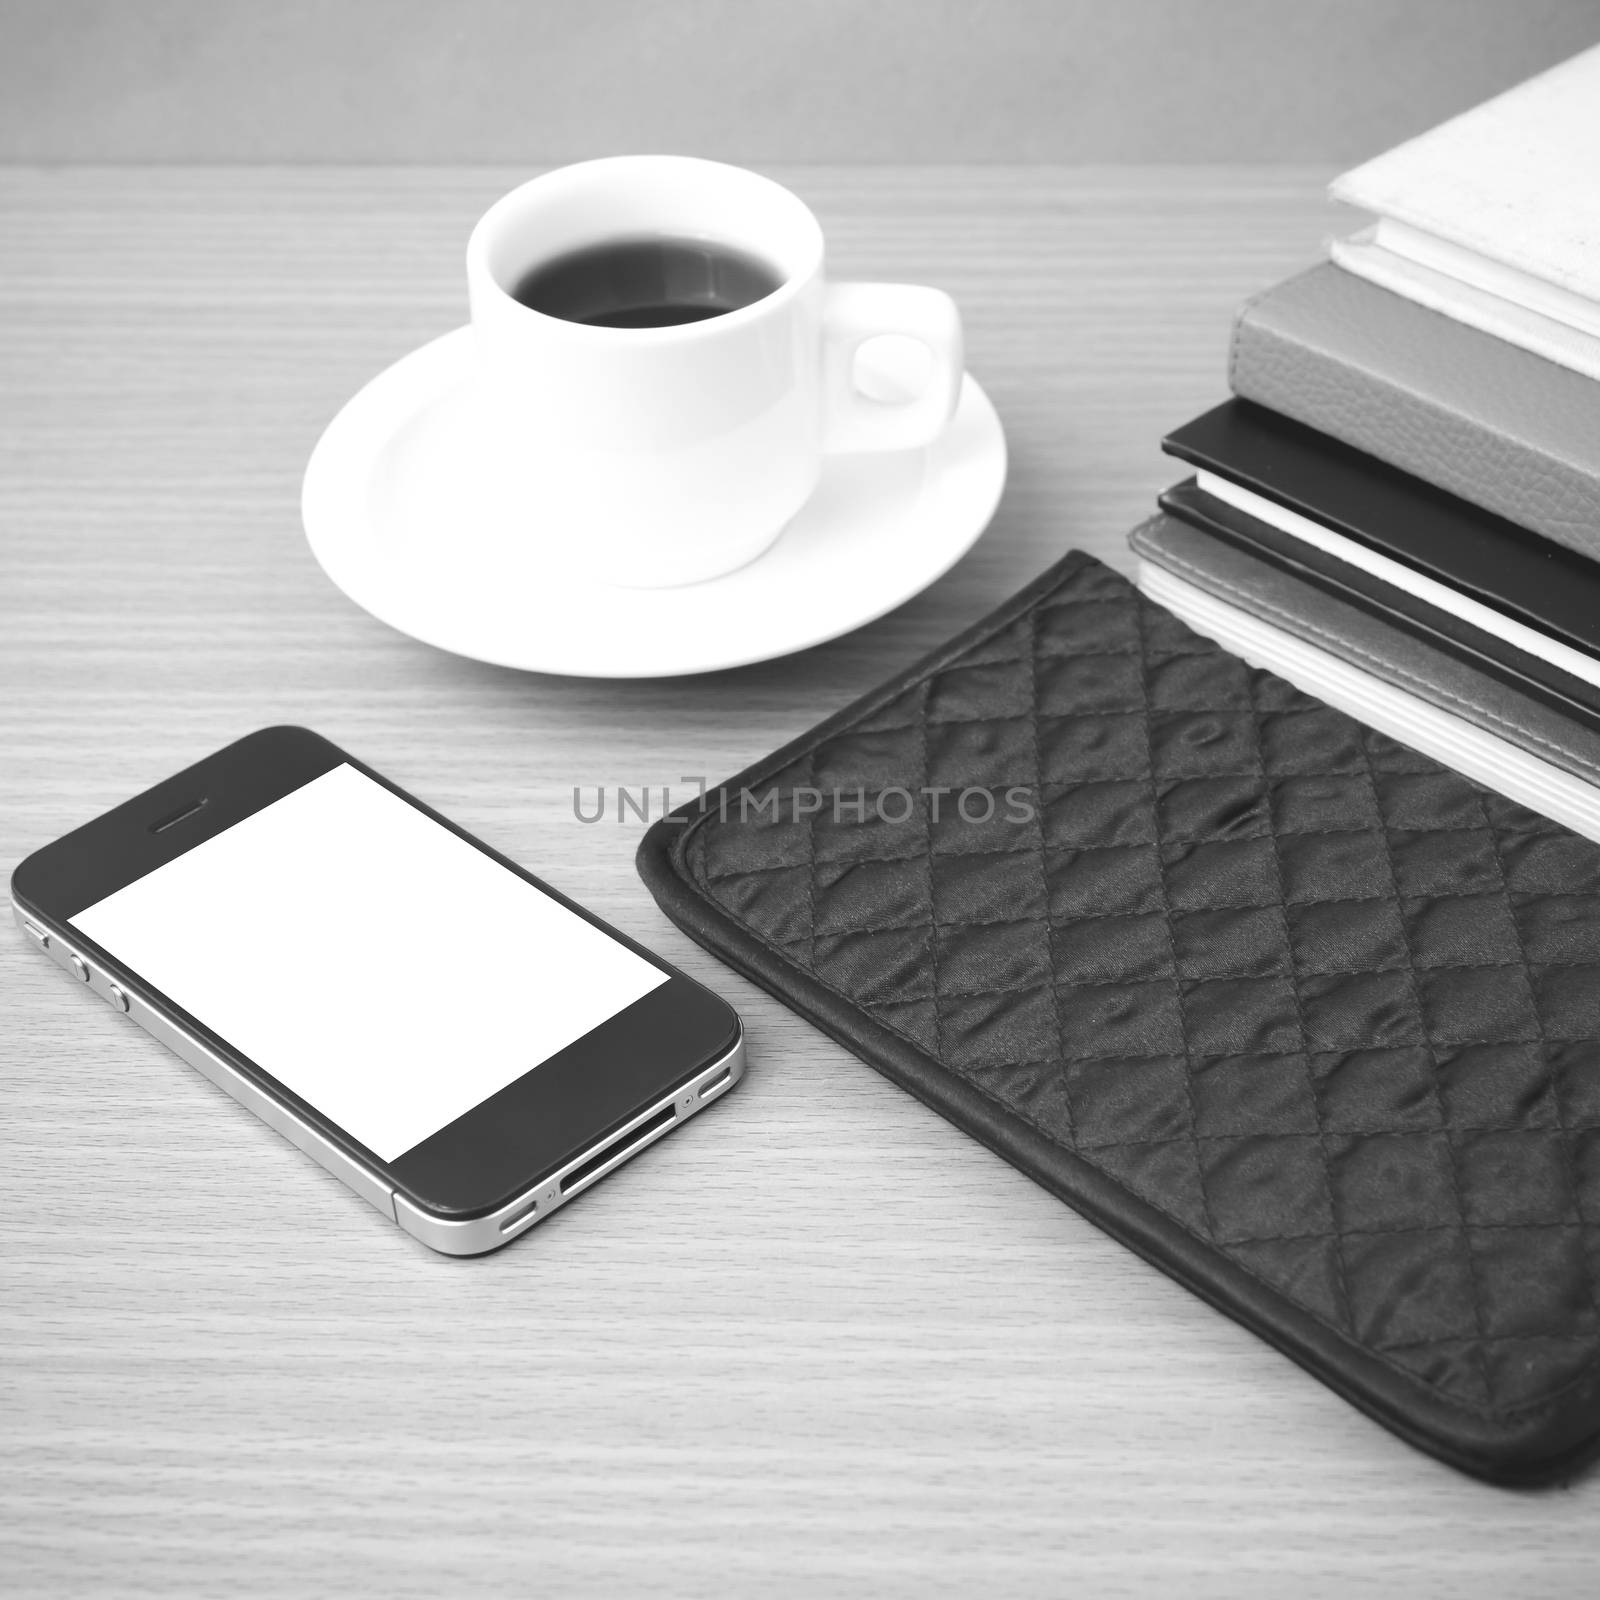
(466, 1048)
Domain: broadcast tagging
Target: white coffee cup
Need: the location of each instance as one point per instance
(656, 456)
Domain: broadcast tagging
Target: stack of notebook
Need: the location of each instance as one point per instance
(1400, 508)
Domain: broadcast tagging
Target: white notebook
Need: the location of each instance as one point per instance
(1494, 213)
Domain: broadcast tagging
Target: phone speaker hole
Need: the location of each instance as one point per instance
(716, 1083)
(629, 1141)
(519, 1216)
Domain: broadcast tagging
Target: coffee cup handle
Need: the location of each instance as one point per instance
(852, 314)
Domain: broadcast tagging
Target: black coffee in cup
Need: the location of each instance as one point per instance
(646, 283)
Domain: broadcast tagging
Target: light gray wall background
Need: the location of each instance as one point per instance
(756, 80)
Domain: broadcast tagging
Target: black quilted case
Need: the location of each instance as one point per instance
(1304, 1018)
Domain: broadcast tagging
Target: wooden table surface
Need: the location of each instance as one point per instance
(820, 1342)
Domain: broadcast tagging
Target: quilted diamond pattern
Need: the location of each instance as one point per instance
(1329, 1007)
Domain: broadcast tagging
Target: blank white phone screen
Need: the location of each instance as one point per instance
(379, 966)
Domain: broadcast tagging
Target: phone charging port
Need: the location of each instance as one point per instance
(618, 1148)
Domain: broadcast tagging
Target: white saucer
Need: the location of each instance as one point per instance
(404, 515)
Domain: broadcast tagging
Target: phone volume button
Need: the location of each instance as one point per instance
(80, 968)
(115, 994)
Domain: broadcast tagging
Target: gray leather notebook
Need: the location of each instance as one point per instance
(1459, 409)
(1363, 664)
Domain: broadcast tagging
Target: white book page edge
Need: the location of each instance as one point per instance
(1420, 587)
(1461, 745)
(1492, 277)
(1528, 330)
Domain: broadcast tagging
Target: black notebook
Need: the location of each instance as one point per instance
(1481, 647)
(1542, 585)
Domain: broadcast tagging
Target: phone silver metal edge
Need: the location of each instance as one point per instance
(470, 1237)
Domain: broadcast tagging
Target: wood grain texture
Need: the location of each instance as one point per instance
(819, 1342)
